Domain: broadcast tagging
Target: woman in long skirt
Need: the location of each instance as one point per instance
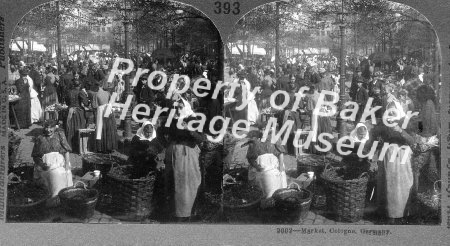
(106, 131)
(182, 173)
(50, 97)
(76, 98)
(22, 107)
(36, 108)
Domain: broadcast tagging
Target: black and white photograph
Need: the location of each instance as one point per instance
(342, 102)
(97, 89)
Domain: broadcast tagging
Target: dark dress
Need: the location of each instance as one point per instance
(23, 106)
(56, 143)
(143, 155)
(75, 118)
(110, 138)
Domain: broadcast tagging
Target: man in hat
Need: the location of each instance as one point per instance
(361, 98)
(354, 86)
(326, 82)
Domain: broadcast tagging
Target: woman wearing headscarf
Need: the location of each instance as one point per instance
(52, 160)
(76, 100)
(395, 172)
(22, 107)
(182, 173)
(145, 148)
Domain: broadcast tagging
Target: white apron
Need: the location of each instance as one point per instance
(395, 181)
(270, 178)
(56, 178)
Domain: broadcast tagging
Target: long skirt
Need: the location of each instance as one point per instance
(75, 121)
(109, 137)
(183, 176)
(394, 183)
(323, 126)
(22, 108)
(36, 110)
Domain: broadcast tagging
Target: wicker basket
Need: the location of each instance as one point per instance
(132, 196)
(79, 202)
(293, 203)
(29, 211)
(346, 198)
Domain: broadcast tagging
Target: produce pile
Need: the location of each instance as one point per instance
(25, 193)
(241, 194)
(55, 107)
(12, 98)
(122, 172)
(14, 141)
(103, 159)
(430, 200)
(342, 174)
(312, 160)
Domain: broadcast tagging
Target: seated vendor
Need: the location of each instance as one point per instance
(52, 160)
(145, 147)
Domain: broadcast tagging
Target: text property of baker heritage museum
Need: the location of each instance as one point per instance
(390, 116)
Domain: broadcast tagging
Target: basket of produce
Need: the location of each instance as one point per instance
(345, 192)
(99, 161)
(79, 201)
(128, 193)
(26, 200)
(313, 163)
(24, 170)
(293, 203)
(14, 141)
(430, 203)
(241, 196)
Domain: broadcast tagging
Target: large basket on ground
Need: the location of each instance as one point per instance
(79, 201)
(127, 195)
(345, 198)
(241, 201)
(293, 203)
(26, 201)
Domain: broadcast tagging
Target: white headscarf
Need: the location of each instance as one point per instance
(140, 132)
(187, 109)
(354, 134)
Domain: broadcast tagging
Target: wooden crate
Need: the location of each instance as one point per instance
(86, 138)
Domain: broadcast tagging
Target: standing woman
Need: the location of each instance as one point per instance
(427, 102)
(50, 96)
(23, 106)
(182, 172)
(36, 108)
(106, 126)
(76, 98)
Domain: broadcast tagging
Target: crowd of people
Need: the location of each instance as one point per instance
(406, 85)
(81, 93)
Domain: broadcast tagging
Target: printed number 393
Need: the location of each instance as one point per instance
(227, 8)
